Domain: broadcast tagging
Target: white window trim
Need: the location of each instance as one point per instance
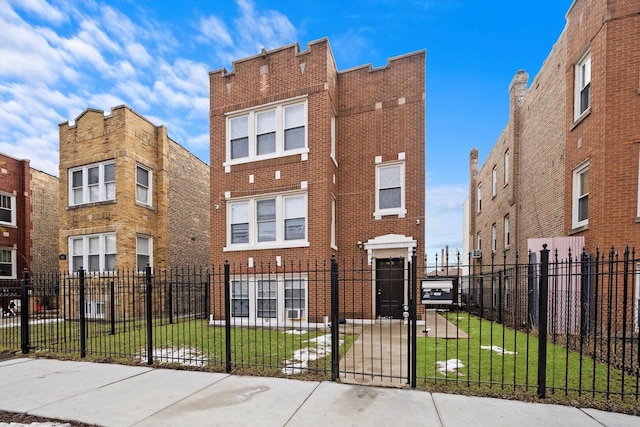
(280, 241)
(333, 139)
(85, 184)
(333, 223)
(479, 197)
(14, 266)
(149, 189)
(507, 231)
(506, 167)
(252, 296)
(579, 85)
(494, 181)
(494, 238)
(479, 241)
(576, 194)
(91, 309)
(85, 254)
(400, 211)
(252, 123)
(150, 239)
(12, 198)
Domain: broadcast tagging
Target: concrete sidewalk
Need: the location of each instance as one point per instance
(117, 395)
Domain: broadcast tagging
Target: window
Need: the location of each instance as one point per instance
(144, 252)
(7, 209)
(266, 299)
(494, 181)
(493, 238)
(269, 297)
(239, 298)
(390, 190)
(92, 183)
(295, 292)
(479, 198)
(270, 132)
(143, 185)
(582, 100)
(94, 309)
(479, 242)
(506, 167)
(268, 222)
(333, 223)
(333, 138)
(580, 208)
(7, 263)
(507, 237)
(94, 253)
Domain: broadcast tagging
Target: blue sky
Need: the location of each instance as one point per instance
(59, 57)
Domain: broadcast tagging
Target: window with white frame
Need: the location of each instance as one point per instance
(144, 252)
(94, 309)
(7, 209)
(333, 138)
(92, 183)
(267, 132)
(266, 299)
(507, 236)
(94, 253)
(506, 167)
(267, 222)
(239, 298)
(580, 202)
(390, 189)
(494, 238)
(582, 100)
(143, 185)
(333, 222)
(7, 263)
(494, 181)
(257, 298)
(479, 208)
(479, 241)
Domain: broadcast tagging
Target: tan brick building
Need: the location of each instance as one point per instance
(307, 162)
(568, 161)
(130, 196)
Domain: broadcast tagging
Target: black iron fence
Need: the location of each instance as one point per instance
(548, 327)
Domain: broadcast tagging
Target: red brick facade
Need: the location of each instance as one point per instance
(379, 117)
(548, 141)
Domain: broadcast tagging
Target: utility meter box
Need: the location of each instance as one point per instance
(437, 291)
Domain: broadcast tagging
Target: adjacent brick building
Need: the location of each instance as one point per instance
(130, 196)
(567, 163)
(309, 162)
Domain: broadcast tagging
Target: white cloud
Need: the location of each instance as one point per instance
(214, 31)
(269, 29)
(444, 216)
(42, 9)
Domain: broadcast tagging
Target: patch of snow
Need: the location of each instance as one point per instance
(300, 362)
(451, 365)
(183, 356)
(501, 351)
(295, 332)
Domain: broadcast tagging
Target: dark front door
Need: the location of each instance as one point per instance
(389, 287)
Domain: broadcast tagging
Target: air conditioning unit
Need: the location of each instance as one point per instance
(476, 254)
(294, 313)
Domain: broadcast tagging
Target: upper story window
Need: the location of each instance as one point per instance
(94, 253)
(143, 185)
(580, 199)
(7, 263)
(506, 167)
(494, 181)
(333, 138)
(390, 190)
(479, 241)
(275, 221)
(494, 238)
(268, 132)
(7, 209)
(92, 183)
(479, 198)
(582, 97)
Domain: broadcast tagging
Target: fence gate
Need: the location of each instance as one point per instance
(375, 305)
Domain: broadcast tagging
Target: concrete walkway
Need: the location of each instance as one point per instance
(116, 395)
(379, 355)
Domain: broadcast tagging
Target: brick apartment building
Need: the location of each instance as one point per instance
(567, 163)
(130, 196)
(309, 162)
(28, 231)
